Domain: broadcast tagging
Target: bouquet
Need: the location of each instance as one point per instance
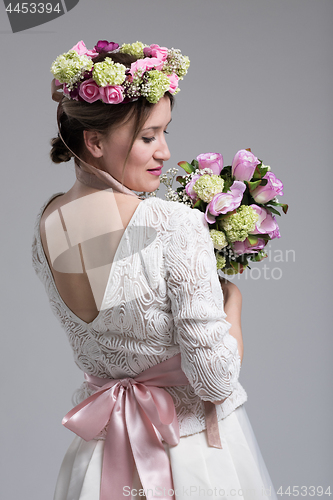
(239, 202)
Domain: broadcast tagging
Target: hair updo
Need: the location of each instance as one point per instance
(77, 116)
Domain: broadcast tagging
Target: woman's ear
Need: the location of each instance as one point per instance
(92, 140)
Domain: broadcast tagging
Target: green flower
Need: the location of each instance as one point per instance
(108, 72)
(134, 49)
(176, 63)
(156, 86)
(207, 186)
(219, 239)
(220, 261)
(69, 67)
(239, 224)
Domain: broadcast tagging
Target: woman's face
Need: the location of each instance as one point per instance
(149, 150)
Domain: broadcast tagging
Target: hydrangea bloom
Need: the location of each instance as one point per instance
(156, 86)
(134, 49)
(219, 239)
(108, 73)
(239, 224)
(69, 68)
(207, 186)
(220, 261)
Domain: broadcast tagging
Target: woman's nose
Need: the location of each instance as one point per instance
(162, 153)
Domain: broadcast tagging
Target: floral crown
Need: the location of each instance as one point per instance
(156, 71)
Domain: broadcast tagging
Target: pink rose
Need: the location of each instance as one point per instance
(229, 201)
(173, 82)
(241, 247)
(211, 160)
(89, 90)
(82, 50)
(266, 223)
(189, 187)
(244, 165)
(156, 51)
(146, 64)
(112, 94)
(263, 194)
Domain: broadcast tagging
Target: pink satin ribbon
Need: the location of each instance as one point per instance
(133, 408)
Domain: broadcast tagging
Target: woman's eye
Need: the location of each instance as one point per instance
(166, 132)
(147, 140)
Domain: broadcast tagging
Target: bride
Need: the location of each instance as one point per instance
(133, 282)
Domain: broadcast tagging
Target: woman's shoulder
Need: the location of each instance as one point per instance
(172, 217)
(47, 207)
(174, 208)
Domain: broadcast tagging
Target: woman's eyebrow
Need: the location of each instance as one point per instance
(155, 128)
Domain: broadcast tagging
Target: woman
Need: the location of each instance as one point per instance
(133, 282)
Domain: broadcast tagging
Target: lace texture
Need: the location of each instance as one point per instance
(163, 297)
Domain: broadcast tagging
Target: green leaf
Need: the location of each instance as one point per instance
(186, 166)
(253, 185)
(199, 204)
(228, 181)
(284, 207)
(253, 239)
(257, 174)
(195, 164)
(265, 237)
(272, 210)
(259, 257)
(180, 179)
(263, 171)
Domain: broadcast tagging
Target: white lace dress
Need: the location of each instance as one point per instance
(163, 297)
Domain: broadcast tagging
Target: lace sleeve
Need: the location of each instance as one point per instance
(210, 357)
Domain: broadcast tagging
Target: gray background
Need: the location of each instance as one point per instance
(260, 77)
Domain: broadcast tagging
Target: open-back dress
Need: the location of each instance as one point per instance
(163, 298)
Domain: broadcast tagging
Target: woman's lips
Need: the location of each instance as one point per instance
(155, 171)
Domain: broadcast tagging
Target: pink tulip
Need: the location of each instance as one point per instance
(241, 247)
(211, 160)
(263, 194)
(244, 165)
(229, 201)
(266, 223)
(189, 187)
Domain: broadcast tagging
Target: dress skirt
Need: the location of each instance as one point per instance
(237, 471)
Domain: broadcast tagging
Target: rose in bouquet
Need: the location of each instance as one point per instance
(239, 202)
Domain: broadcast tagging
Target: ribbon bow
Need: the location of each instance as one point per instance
(134, 409)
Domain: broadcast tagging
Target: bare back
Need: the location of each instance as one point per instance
(113, 212)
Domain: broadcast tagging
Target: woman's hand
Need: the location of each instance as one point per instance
(233, 308)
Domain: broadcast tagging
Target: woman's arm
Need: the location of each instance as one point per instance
(233, 308)
(210, 356)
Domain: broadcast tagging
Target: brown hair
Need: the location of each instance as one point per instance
(77, 116)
